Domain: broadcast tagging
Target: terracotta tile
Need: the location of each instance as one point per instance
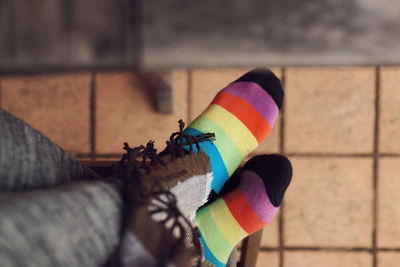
(329, 203)
(270, 234)
(126, 111)
(330, 110)
(267, 259)
(388, 203)
(327, 259)
(271, 143)
(388, 259)
(389, 110)
(206, 83)
(56, 105)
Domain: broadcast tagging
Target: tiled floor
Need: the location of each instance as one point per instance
(340, 127)
(125, 111)
(57, 105)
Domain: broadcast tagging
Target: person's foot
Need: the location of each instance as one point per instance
(245, 210)
(241, 116)
(237, 120)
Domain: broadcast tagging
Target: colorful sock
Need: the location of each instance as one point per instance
(241, 116)
(245, 210)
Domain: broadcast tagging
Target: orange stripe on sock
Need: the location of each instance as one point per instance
(246, 113)
(242, 211)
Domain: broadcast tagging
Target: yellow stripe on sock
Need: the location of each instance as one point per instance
(212, 235)
(230, 154)
(227, 224)
(239, 133)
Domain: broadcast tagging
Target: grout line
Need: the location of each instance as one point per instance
(391, 155)
(339, 155)
(189, 95)
(337, 249)
(388, 249)
(375, 167)
(282, 151)
(125, 66)
(93, 115)
(281, 240)
(282, 120)
(342, 155)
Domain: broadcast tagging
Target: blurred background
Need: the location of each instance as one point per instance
(93, 74)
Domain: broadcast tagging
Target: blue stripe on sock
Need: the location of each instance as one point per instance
(208, 254)
(218, 167)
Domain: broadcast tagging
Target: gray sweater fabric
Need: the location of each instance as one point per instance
(29, 160)
(75, 224)
(54, 211)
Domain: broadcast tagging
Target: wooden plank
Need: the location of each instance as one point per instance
(103, 168)
(31, 33)
(275, 32)
(99, 163)
(250, 248)
(97, 32)
(232, 261)
(71, 34)
(49, 35)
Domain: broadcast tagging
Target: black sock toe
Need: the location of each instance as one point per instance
(276, 172)
(268, 81)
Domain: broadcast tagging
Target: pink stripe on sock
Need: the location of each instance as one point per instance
(254, 189)
(256, 96)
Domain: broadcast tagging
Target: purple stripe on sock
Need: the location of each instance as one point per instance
(254, 189)
(256, 96)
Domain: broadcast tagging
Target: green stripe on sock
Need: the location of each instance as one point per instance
(227, 224)
(216, 242)
(230, 154)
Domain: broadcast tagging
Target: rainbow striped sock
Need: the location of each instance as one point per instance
(241, 116)
(246, 209)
